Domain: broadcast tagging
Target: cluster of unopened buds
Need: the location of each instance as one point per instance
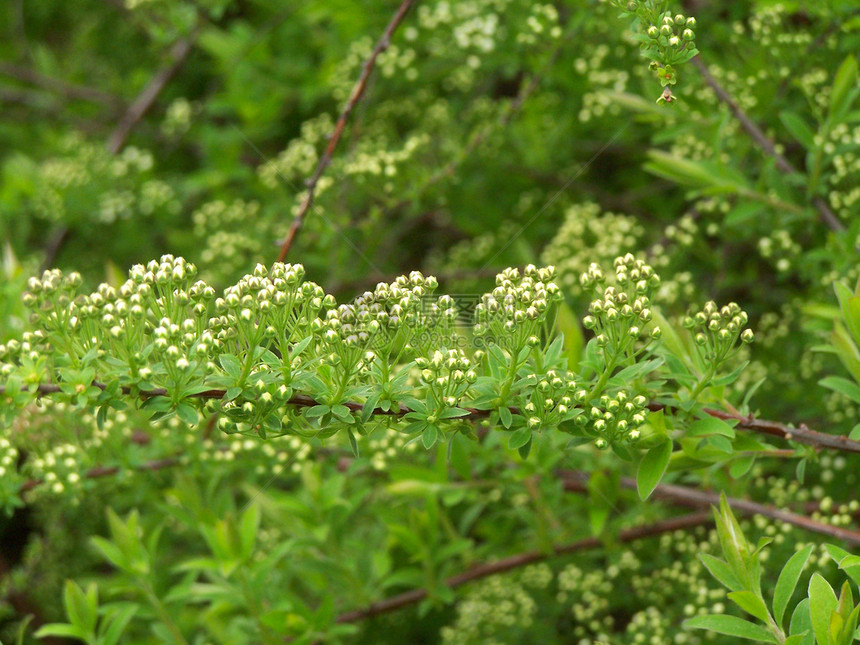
(517, 300)
(49, 298)
(553, 400)
(448, 375)
(267, 306)
(615, 419)
(716, 329)
(405, 304)
(673, 31)
(620, 314)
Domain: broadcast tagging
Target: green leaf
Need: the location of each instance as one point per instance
(117, 620)
(728, 379)
(652, 467)
(787, 582)
(249, 525)
(353, 443)
(231, 365)
(505, 416)
(734, 545)
(342, 413)
(731, 626)
(525, 449)
(721, 571)
(844, 90)
(822, 602)
(80, 607)
(709, 426)
(843, 386)
(795, 640)
(750, 603)
(798, 128)
(741, 466)
(188, 414)
(429, 436)
(845, 561)
(801, 623)
(710, 176)
(61, 630)
(519, 438)
(317, 411)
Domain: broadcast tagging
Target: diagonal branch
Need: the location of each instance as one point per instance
(145, 100)
(130, 118)
(354, 98)
(523, 559)
(825, 214)
(694, 498)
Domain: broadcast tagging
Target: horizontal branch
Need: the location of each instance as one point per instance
(523, 559)
(576, 481)
(825, 213)
(354, 98)
(801, 434)
(64, 88)
(98, 472)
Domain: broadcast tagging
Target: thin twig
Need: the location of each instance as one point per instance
(130, 118)
(825, 213)
(523, 559)
(693, 498)
(772, 428)
(98, 472)
(64, 88)
(145, 100)
(355, 97)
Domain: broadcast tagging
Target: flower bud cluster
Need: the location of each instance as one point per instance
(277, 307)
(553, 400)
(9, 456)
(614, 419)
(231, 237)
(674, 33)
(49, 299)
(589, 235)
(60, 468)
(401, 305)
(621, 312)
(520, 302)
(86, 183)
(716, 330)
(448, 376)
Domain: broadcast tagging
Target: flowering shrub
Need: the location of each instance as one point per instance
(448, 321)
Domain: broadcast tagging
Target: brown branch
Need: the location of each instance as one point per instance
(801, 434)
(355, 97)
(522, 559)
(64, 88)
(693, 498)
(146, 99)
(772, 428)
(98, 472)
(130, 118)
(826, 215)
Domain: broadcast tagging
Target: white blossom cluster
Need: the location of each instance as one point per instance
(589, 235)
